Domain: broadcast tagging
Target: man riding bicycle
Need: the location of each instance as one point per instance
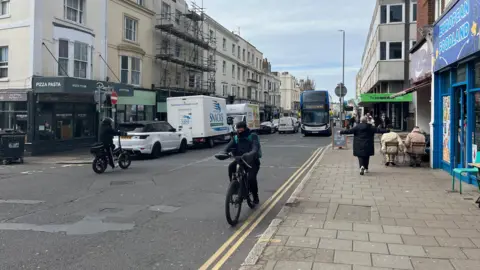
(106, 138)
(246, 145)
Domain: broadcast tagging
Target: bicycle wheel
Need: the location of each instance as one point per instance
(233, 201)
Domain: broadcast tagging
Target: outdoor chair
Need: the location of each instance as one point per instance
(417, 151)
(467, 171)
(394, 150)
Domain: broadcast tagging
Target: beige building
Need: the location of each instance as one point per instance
(131, 50)
(290, 93)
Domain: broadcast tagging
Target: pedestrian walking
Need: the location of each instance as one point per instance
(363, 142)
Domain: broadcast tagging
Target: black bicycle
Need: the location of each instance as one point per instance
(238, 190)
(100, 163)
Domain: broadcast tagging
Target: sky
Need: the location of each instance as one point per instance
(302, 36)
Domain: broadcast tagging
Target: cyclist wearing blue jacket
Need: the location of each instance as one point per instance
(247, 146)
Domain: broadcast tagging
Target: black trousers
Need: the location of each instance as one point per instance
(110, 155)
(251, 174)
(363, 161)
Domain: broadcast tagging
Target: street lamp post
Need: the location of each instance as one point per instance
(343, 78)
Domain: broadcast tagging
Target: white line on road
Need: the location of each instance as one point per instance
(192, 163)
(21, 201)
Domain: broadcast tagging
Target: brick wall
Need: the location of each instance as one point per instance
(425, 14)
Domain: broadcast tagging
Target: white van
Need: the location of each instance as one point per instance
(287, 124)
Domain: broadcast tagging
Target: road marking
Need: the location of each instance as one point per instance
(191, 163)
(252, 217)
(233, 248)
(21, 201)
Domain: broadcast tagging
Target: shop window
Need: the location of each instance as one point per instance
(476, 77)
(445, 82)
(461, 73)
(43, 129)
(477, 119)
(64, 126)
(84, 125)
(14, 116)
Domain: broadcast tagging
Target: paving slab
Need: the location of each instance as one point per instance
(390, 219)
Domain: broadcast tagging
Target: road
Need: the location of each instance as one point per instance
(166, 213)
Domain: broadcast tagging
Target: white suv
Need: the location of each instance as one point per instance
(151, 137)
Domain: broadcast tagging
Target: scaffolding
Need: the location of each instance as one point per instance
(185, 53)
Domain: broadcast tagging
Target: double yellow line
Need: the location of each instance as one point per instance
(252, 222)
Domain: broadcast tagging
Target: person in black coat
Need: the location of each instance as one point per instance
(363, 142)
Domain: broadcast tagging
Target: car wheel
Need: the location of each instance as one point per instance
(156, 150)
(210, 142)
(183, 146)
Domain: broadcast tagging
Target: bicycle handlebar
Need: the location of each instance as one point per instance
(224, 156)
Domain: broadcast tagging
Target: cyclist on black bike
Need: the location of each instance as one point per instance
(246, 145)
(106, 138)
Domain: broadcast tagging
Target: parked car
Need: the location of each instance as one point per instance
(267, 128)
(287, 124)
(152, 138)
(275, 124)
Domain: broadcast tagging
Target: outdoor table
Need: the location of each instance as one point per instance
(476, 165)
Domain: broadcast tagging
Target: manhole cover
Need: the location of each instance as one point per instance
(353, 213)
(119, 183)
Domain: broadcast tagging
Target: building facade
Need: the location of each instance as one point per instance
(456, 85)
(51, 62)
(271, 90)
(385, 62)
(290, 93)
(131, 57)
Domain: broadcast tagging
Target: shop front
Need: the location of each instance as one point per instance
(14, 107)
(456, 65)
(395, 108)
(139, 107)
(64, 114)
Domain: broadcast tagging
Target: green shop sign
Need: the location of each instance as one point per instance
(385, 97)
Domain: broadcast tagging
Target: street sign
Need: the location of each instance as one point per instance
(114, 97)
(340, 90)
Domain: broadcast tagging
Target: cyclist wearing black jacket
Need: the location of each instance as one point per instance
(106, 138)
(248, 150)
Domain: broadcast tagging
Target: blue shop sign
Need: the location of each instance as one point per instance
(456, 35)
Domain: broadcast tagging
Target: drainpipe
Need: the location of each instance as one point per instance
(105, 39)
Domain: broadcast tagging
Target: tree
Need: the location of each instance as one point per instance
(308, 84)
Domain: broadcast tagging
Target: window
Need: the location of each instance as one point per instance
(243, 74)
(191, 80)
(243, 91)
(224, 90)
(395, 50)
(391, 50)
(243, 54)
(178, 15)
(391, 13)
(238, 52)
(166, 12)
(396, 13)
(211, 35)
(413, 12)
(63, 58)
(238, 72)
(233, 71)
(135, 70)
(74, 10)
(248, 57)
(131, 29)
(224, 68)
(233, 49)
(178, 49)
(4, 7)
(383, 14)
(178, 78)
(224, 44)
(130, 70)
(80, 60)
(383, 51)
(3, 62)
(233, 91)
(141, 2)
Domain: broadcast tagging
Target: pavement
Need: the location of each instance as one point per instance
(165, 213)
(390, 218)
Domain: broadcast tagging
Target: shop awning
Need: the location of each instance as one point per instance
(411, 89)
(374, 98)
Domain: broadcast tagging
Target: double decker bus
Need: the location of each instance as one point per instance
(315, 112)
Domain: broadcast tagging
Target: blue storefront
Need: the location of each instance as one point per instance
(456, 65)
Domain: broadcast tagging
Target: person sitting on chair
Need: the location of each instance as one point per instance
(391, 152)
(415, 136)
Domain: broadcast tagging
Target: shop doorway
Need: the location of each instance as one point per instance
(459, 125)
